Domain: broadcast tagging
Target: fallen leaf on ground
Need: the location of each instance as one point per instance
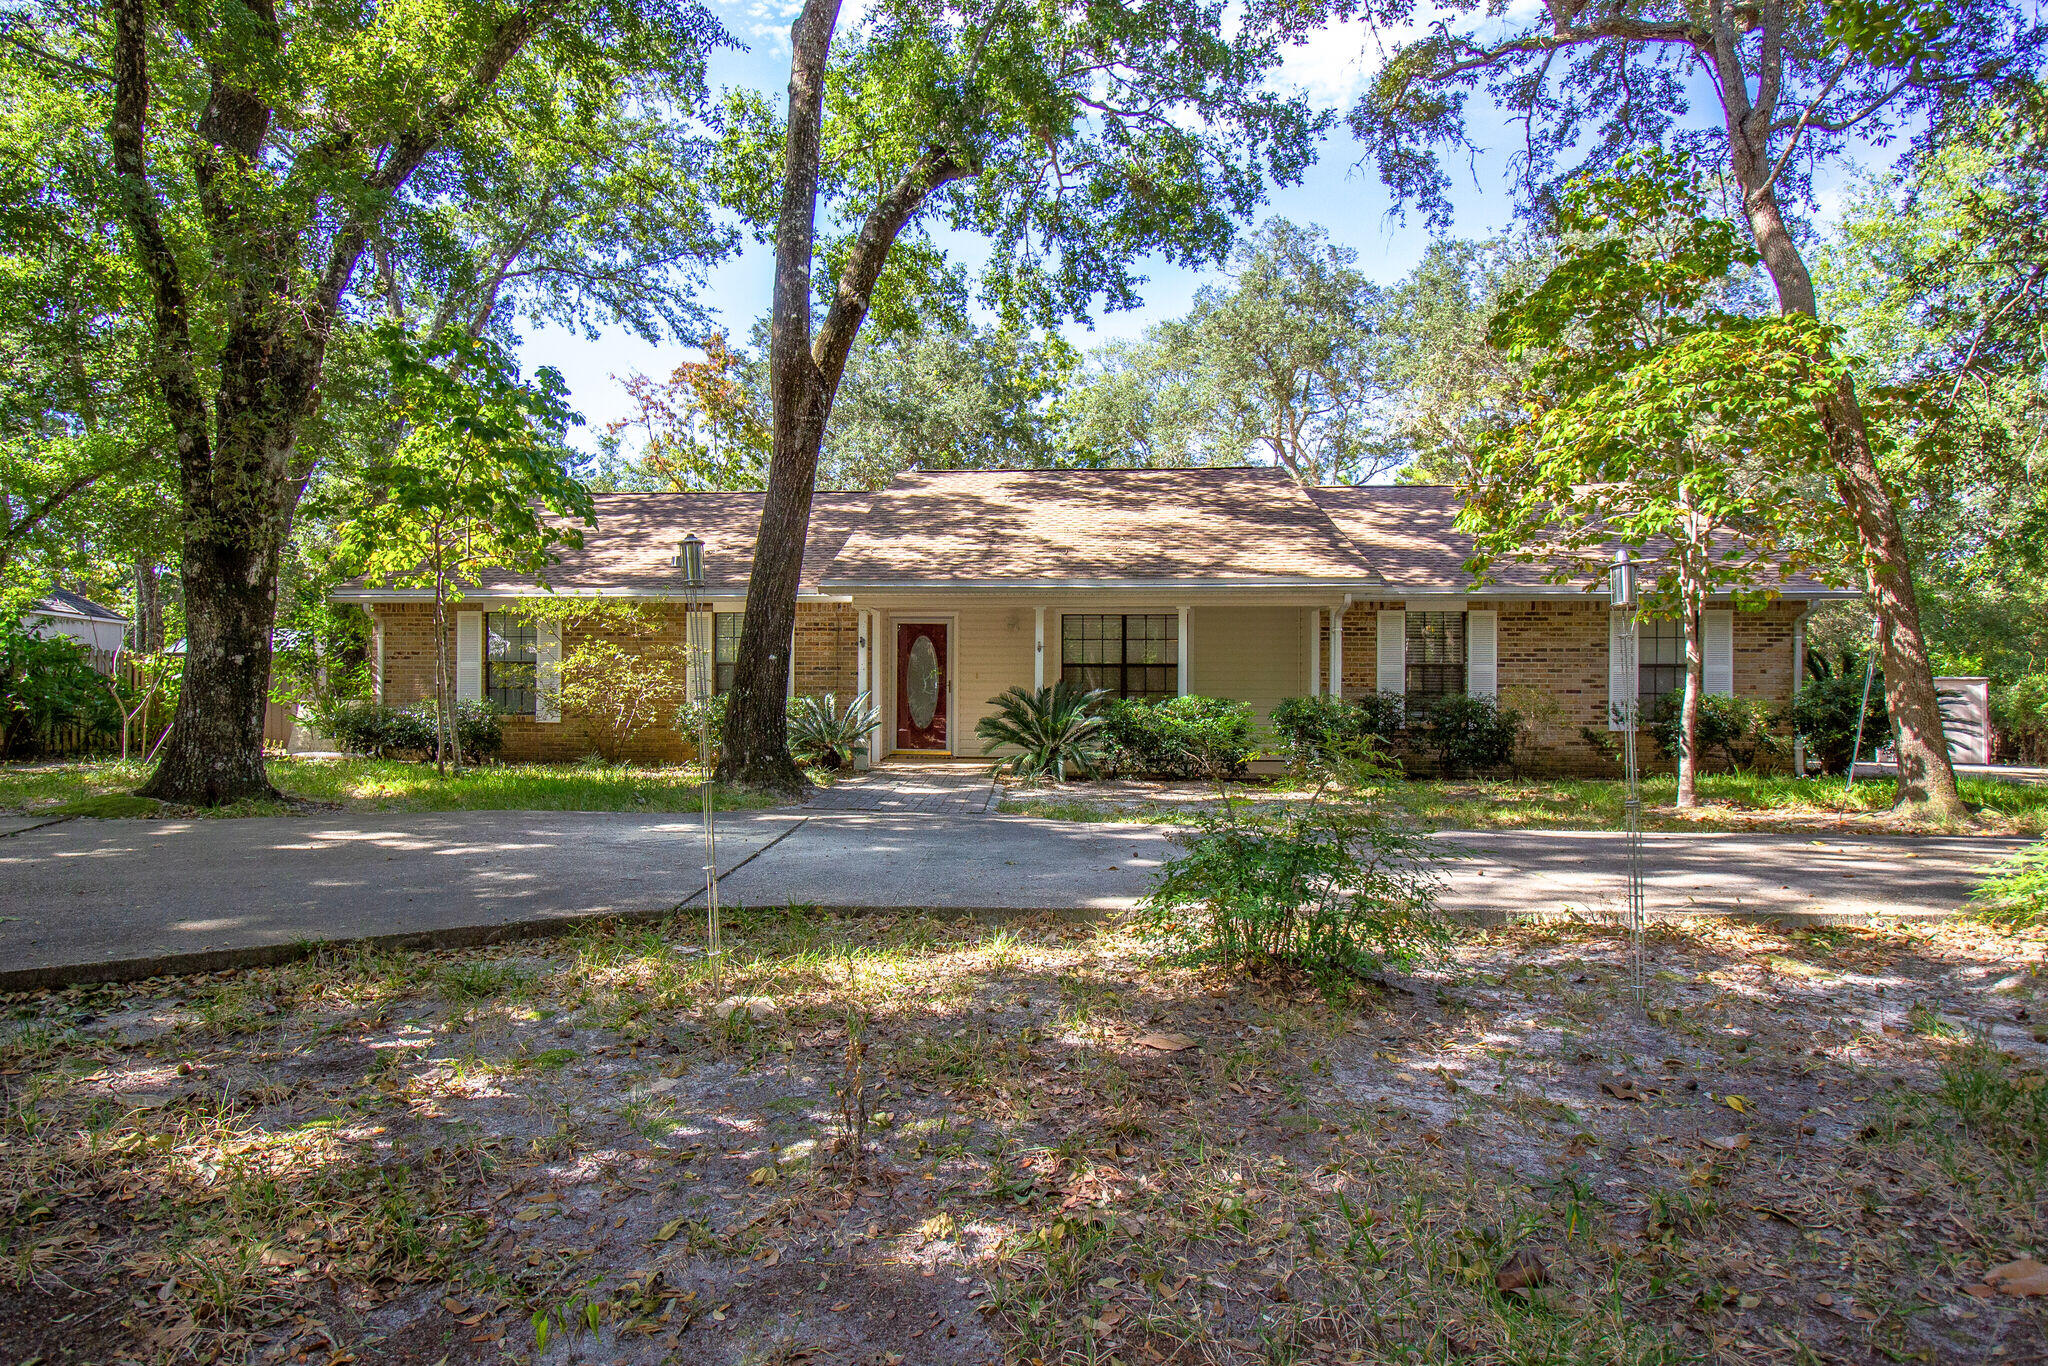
(1621, 1088)
(1168, 1043)
(1521, 1271)
(1739, 1104)
(1727, 1143)
(2023, 1277)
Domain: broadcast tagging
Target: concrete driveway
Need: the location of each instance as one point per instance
(90, 899)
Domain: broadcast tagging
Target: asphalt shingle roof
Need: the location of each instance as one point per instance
(1210, 526)
(636, 535)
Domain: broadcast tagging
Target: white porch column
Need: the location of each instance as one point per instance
(1315, 651)
(1182, 670)
(871, 629)
(860, 650)
(1337, 653)
(789, 689)
(1037, 648)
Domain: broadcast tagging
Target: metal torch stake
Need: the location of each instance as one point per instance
(1632, 808)
(712, 947)
(1621, 589)
(689, 558)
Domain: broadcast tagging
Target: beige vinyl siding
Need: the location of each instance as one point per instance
(990, 645)
(1249, 654)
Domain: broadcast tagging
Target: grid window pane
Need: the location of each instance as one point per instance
(1436, 658)
(510, 658)
(725, 648)
(1125, 655)
(1660, 661)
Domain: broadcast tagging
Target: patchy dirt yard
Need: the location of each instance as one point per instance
(1806, 1147)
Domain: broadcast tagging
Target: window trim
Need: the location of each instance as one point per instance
(1419, 697)
(515, 628)
(1123, 665)
(1646, 703)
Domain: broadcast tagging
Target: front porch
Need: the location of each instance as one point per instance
(933, 663)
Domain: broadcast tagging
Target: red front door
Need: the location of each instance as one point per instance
(921, 685)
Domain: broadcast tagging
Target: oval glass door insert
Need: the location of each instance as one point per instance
(921, 689)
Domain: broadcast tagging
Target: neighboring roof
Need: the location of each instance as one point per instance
(62, 602)
(1213, 527)
(630, 549)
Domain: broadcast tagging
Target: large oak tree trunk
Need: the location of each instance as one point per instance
(757, 711)
(803, 377)
(214, 753)
(1927, 780)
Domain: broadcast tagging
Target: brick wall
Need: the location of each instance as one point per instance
(826, 643)
(1553, 669)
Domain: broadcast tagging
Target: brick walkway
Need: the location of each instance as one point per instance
(945, 789)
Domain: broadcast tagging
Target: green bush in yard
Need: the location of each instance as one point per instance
(479, 729)
(1317, 727)
(1741, 730)
(692, 717)
(47, 682)
(1335, 884)
(1471, 734)
(1182, 737)
(1824, 716)
(376, 731)
(1055, 731)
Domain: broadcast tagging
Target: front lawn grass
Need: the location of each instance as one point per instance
(101, 788)
(1729, 801)
(1807, 1145)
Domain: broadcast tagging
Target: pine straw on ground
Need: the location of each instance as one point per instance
(1804, 1147)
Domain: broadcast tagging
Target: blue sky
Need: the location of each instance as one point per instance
(1338, 194)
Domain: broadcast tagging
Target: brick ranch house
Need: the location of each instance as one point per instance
(945, 589)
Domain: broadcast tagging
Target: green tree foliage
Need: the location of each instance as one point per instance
(84, 449)
(1280, 363)
(1789, 87)
(253, 160)
(1074, 138)
(469, 486)
(1938, 277)
(1658, 420)
(1449, 388)
(978, 396)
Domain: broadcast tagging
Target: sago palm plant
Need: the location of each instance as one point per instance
(820, 732)
(1055, 730)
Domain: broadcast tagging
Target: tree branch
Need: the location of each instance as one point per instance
(177, 374)
(856, 284)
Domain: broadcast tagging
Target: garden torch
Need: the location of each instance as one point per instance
(1621, 596)
(690, 559)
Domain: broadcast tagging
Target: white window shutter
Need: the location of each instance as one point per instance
(1621, 689)
(469, 656)
(547, 671)
(1717, 642)
(1393, 652)
(1482, 652)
